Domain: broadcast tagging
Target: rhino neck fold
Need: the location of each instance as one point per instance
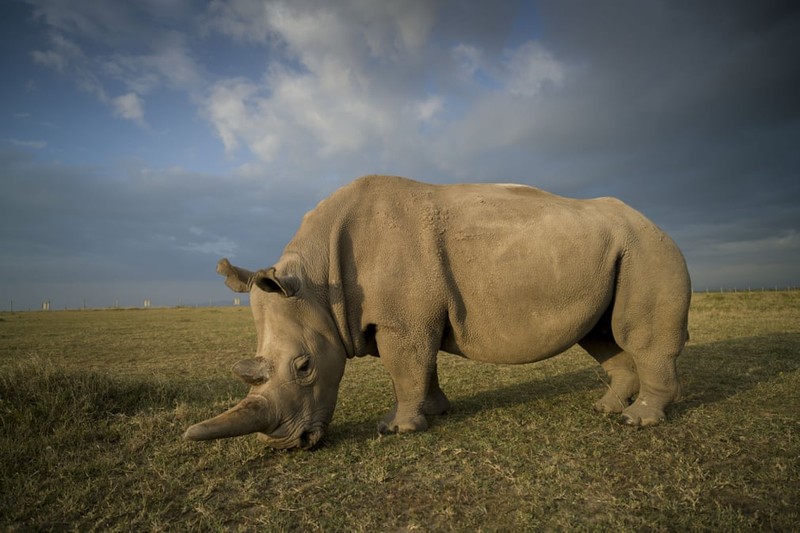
(323, 247)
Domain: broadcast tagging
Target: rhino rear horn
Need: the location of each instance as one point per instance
(237, 279)
(252, 371)
(248, 416)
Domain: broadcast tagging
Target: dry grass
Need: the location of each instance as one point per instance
(93, 403)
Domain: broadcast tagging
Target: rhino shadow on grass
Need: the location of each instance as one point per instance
(51, 399)
(716, 371)
(710, 373)
(465, 407)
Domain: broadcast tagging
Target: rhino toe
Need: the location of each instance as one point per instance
(642, 414)
(395, 425)
(609, 404)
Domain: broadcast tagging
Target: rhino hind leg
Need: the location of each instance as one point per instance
(621, 370)
(659, 387)
(649, 320)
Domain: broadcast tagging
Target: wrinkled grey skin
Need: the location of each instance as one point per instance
(509, 274)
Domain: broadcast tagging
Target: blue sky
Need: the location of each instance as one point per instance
(142, 141)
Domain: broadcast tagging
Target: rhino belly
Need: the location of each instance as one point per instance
(524, 289)
(525, 322)
(537, 339)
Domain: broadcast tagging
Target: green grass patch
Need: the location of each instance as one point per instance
(93, 405)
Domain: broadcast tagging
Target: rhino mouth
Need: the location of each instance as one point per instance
(306, 438)
(310, 439)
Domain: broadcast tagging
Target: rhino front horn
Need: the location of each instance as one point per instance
(248, 416)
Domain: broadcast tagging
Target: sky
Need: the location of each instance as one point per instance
(142, 141)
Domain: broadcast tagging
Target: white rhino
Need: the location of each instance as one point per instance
(402, 270)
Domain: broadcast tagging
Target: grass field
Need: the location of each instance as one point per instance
(93, 405)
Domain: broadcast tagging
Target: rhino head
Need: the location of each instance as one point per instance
(295, 374)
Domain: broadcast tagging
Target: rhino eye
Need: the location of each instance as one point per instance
(302, 365)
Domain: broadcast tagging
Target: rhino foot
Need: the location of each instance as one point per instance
(611, 403)
(642, 414)
(394, 424)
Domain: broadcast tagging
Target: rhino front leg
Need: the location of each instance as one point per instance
(412, 367)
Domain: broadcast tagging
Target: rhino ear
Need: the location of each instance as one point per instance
(269, 281)
(237, 279)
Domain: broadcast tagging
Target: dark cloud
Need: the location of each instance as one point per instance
(83, 225)
(686, 110)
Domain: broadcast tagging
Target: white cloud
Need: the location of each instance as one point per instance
(334, 85)
(139, 50)
(348, 85)
(469, 59)
(66, 57)
(169, 64)
(520, 71)
(129, 107)
(207, 243)
(529, 67)
(413, 21)
(332, 105)
(295, 112)
(231, 109)
(174, 62)
(425, 110)
(785, 242)
(50, 59)
(353, 80)
(383, 28)
(243, 20)
(27, 143)
(505, 110)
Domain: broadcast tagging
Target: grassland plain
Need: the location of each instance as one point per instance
(93, 404)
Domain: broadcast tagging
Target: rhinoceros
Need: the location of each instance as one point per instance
(403, 270)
